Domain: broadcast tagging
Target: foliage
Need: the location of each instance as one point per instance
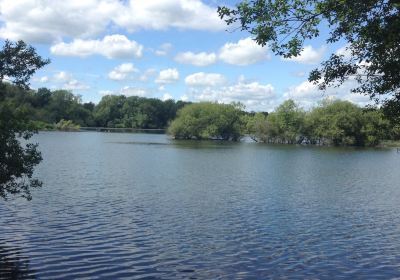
(47, 108)
(40, 125)
(17, 157)
(67, 125)
(208, 120)
(333, 122)
(371, 29)
(135, 112)
(257, 127)
(18, 62)
(287, 122)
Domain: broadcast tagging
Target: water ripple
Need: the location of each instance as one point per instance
(157, 211)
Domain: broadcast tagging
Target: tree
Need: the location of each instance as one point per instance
(371, 29)
(207, 120)
(18, 62)
(288, 122)
(332, 122)
(257, 127)
(336, 122)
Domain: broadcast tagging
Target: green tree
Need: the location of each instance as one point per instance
(108, 113)
(284, 125)
(257, 127)
(207, 120)
(371, 29)
(18, 62)
(336, 122)
(332, 122)
(375, 127)
(288, 122)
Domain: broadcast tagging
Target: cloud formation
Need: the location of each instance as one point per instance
(309, 55)
(307, 94)
(128, 91)
(163, 49)
(244, 52)
(65, 80)
(47, 21)
(167, 76)
(163, 14)
(111, 46)
(122, 72)
(202, 79)
(196, 59)
(255, 96)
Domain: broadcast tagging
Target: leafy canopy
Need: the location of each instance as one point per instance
(18, 62)
(371, 29)
(332, 122)
(207, 120)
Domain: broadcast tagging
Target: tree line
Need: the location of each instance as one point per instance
(332, 122)
(61, 109)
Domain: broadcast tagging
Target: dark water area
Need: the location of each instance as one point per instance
(143, 206)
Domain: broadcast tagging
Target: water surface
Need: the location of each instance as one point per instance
(142, 206)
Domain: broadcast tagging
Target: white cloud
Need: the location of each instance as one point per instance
(44, 79)
(163, 49)
(345, 51)
(135, 91)
(128, 91)
(122, 72)
(46, 21)
(184, 98)
(255, 96)
(164, 14)
(199, 59)
(166, 96)
(65, 80)
(75, 85)
(62, 76)
(111, 46)
(151, 72)
(309, 55)
(244, 52)
(167, 76)
(205, 79)
(307, 94)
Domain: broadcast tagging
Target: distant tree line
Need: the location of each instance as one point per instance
(61, 109)
(332, 122)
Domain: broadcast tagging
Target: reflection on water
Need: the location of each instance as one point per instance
(133, 206)
(14, 265)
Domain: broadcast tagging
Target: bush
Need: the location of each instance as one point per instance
(208, 120)
(66, 125)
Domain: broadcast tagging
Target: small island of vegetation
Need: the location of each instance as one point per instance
(332, 122)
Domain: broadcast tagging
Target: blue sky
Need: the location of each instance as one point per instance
(176, 49)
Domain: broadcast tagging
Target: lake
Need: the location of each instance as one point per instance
(143, 206)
